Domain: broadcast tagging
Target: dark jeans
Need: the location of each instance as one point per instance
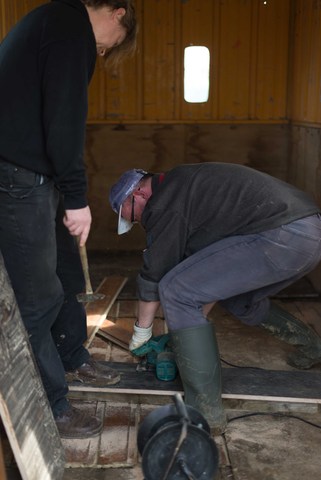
(240, 273)
(44, 268)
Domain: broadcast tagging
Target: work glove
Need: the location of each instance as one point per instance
(140, 336)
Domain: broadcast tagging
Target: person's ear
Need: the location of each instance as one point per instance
(140, 192)
(118, 13)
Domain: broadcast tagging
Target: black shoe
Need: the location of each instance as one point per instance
(94, 373)
(74, 423)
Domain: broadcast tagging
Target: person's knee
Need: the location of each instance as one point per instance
(181, 309)
(249, 313)
(169, 290)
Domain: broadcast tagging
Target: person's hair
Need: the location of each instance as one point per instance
(128, 21)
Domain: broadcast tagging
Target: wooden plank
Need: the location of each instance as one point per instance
(238, 383)
(3, 475)
(133, 381)
(115, 334)
(272, 385)
(24, 407)
(98, 310)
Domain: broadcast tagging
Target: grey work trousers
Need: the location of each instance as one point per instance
(240, 273)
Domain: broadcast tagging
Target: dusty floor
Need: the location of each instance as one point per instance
(264, 439)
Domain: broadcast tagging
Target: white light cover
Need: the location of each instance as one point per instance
(196, 74)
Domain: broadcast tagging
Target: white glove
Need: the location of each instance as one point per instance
(140, 336)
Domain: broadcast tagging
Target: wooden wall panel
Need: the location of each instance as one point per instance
(305, 171)
(248, 42)
(235, 59)
(158, 30)
(249, 45)
(306, 72)
(272, 59)
(110, 150)
(12, 10)
(124, 86)
(253, 65)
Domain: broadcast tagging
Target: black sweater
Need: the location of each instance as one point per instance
(197, 205)
(46, 63)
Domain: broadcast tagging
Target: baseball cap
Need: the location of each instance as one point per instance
(120, 191)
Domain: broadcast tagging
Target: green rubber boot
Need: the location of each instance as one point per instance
(286, 327)
(198, 362)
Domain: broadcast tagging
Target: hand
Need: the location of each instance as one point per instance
(78, 223)
(140, 336)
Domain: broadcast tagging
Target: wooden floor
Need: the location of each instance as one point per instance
(266, 439)
(272, 444)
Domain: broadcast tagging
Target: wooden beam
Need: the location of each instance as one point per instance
(98, 310)
(272, 385)
(133, 382)
(3, 474)
(24, 407)
(115, 334)
(238, 383)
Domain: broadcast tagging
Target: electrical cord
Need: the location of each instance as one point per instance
(276, 414)
(240, 366)
(272, 414)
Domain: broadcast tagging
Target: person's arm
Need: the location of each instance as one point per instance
(146, 313)
(67, 56)
(64, 89)
(143, 328)
(166, 251)
(67, 66)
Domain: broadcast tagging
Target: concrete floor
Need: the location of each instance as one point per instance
(264, 440)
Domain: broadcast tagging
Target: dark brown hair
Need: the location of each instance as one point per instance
(128, 21)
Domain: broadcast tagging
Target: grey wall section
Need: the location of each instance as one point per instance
(112, 149)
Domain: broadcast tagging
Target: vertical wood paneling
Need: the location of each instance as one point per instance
(123, 87)
(235, 55)
(306, 73)
(272, 59)
(97, 92)
(12, 10)
(158, 30)
(254, 61)
(116, 93)
(215, 62)
(314, 85)
(302, 47)
(2, 20)
(178, 68)
(249, 46)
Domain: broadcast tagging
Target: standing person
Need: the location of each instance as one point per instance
(46, 63)
(225, 233)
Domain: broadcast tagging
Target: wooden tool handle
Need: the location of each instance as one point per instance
(84, 263)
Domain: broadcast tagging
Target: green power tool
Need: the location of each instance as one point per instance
(159, 355)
